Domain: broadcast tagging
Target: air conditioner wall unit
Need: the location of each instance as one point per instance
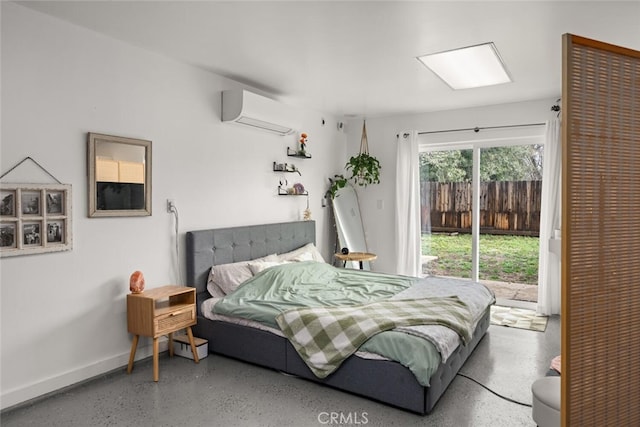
(247, 108)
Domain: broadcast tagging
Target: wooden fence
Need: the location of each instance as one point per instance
(506, 207)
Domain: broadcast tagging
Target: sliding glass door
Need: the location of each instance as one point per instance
(480, 212)
(510, 201)
(445, 209)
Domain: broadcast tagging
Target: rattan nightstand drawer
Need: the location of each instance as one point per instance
(172, 321)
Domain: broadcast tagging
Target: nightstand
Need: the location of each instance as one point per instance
(161, 311)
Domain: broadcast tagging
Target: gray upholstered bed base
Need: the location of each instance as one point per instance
(385, 381)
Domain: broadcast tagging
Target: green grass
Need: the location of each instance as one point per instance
(502, 258)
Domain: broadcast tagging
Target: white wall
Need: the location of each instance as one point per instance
(377, 202)
(63, 315)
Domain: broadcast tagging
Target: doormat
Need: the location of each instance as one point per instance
(520, 318)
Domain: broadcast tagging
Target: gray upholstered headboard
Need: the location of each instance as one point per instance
(233, 244)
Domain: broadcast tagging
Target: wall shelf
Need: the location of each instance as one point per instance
(286, 167)
(296, 189)
(285, 192)
(299, 154)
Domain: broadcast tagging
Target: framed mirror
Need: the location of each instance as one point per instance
(119, 172)
(346, 211)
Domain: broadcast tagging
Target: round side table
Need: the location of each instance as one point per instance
(356, 256)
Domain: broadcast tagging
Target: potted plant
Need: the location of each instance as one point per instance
(338, 182)
(364, 168)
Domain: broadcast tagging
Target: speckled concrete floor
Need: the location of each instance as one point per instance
(225, 392)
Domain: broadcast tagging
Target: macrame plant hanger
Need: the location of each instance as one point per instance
(364, 147)
(364, 142)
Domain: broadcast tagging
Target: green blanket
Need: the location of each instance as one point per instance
(307, 284)
(325, 336)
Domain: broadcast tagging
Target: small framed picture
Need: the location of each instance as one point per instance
(55, 231)
(7, 203)
(31, 235)
(55, 203)
(7, 235)
(30, 203)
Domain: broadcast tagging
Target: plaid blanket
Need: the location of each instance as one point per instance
(325, 336)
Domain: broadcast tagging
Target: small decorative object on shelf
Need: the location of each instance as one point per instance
(298, 188)
(303, 144)
(136, 282)
(286, 167)
(306, 214)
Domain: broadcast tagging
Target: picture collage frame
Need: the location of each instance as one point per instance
(35, 218)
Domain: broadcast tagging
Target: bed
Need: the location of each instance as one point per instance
(379, 379)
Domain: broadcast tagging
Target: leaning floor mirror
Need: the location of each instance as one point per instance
(119, 176)
(346, 212)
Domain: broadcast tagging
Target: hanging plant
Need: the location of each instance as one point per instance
(364, 168)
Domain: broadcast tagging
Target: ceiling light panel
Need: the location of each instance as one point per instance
(468, 67)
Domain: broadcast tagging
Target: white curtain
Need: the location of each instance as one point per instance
(408, 237)
(549, 261)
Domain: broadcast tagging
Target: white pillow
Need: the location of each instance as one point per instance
(308, 248)
(305, 256)
(225, 278)
(257, 267)
(214, 290)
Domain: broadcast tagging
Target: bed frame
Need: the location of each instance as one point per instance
(385, 381)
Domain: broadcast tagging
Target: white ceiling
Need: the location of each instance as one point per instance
(358, 58)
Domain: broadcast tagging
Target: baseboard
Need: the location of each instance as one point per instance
(41, 389)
